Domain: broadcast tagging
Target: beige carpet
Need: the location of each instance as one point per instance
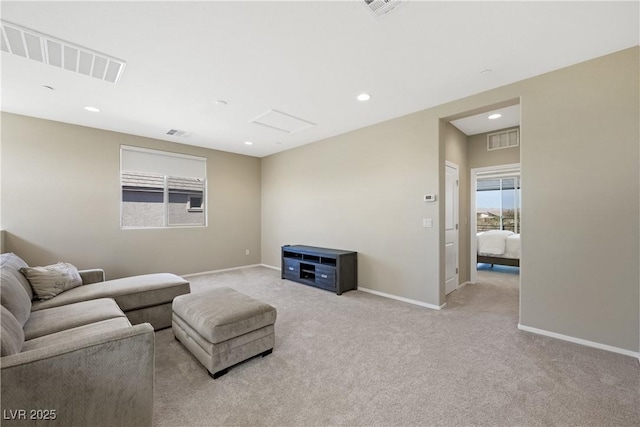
(360, 359)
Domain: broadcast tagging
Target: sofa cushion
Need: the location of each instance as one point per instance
(57, 319)
(51, 280)
(11, 263)
(130, 293)
(78, 333)
(14, 298)
(11, 334)
(93, 275)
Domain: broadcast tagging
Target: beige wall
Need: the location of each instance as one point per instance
(61, 201)
(579, 137)
(480, 157)
(457, 152)
(361, 191)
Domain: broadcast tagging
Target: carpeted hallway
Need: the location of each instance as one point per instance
(360, 359)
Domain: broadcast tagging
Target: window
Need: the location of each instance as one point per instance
(195, 203)
(161, 189)
(498, 203)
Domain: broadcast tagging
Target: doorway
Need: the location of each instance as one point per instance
(495, 208)
(480, 138)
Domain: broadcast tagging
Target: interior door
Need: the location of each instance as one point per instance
(451, 228)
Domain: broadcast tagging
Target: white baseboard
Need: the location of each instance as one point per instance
(465, 284)
(579, 341)
(223, 270)
(385, 295)
(370, 291)
(271, 267)
(403, 299)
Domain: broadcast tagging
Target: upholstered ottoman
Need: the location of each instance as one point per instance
(223, 327)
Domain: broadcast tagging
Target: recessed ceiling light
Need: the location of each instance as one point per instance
(48, 87)
(221, 102)
(495, 116)
(92, 109)
(485, 72)
(248, 143)
(364, 97)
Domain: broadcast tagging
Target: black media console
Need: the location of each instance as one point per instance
(331, 269)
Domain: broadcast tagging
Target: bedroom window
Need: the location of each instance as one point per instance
(160, 189)
(498, 203)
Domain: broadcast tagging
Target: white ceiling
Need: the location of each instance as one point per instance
(308, 59)
(481, 123)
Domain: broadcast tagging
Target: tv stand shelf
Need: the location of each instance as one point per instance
(331, 269)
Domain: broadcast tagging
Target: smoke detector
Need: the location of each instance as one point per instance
(380, 7)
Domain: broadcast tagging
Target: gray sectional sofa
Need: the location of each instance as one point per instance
(85, 356)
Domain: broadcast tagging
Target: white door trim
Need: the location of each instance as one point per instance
(456, 220)
(473, 258)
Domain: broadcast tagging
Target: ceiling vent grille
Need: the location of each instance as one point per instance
(380, 7)
(503, 139)
(40, 47)
(179, 133)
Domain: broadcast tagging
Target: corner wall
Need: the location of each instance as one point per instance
(361, 191)
(61, 202)
(580, 136)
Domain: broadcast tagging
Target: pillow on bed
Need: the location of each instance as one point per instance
(49, 281)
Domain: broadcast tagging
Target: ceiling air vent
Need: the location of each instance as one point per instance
(380, 7)
(40, 47)
(503, 139)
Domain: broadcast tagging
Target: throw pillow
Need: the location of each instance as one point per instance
(49, 281)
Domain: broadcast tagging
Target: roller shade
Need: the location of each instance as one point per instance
(494, 184)
(136, 159)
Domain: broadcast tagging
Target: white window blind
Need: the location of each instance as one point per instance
(162, 162)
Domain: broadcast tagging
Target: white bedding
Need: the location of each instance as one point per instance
(500, 243)
(512, 247)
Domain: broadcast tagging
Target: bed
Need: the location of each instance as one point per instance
(499, 247)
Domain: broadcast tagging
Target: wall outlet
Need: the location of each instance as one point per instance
(427, 222)
(247, 252)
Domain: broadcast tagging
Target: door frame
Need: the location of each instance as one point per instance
(456, 219)
(473, 223)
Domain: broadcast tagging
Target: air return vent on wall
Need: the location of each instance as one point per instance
(380, 7)
(503, 139)
(58, 53)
